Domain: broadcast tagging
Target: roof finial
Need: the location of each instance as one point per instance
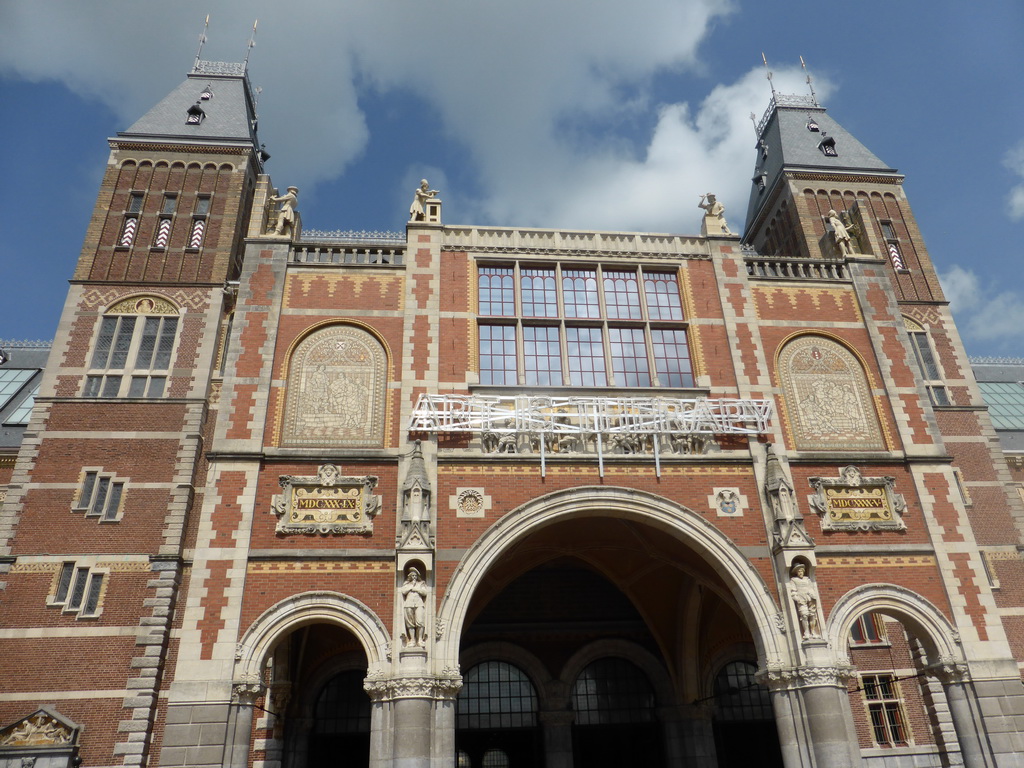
(251, 45)
(814, 97)
(768, 74)
(202, 42)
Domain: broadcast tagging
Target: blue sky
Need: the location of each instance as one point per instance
(561, 113)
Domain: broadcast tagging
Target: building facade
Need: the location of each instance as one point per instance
(485, 496)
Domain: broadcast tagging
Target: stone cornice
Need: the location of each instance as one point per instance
(795, 678)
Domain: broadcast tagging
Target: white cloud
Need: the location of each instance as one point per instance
(1014, 160)
(505, 80)
(983, 312)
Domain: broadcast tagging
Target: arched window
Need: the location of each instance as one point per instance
(738, 697)
(828, 400)
(336, 390)
(134, 347)
(496, 718)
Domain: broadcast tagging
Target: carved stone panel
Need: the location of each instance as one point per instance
(852, 502)
(827, 397)
(326, 503)
(336, 390)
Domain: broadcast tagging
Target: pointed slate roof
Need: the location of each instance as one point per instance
(791, 146)
(228, 116)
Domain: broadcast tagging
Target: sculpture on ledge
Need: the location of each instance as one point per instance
(805, 598)
(714, 220)
(417, 211)
(286, 215)
(414, 600)
(840, 233)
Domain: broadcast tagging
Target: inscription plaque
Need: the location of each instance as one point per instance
(326, 503)
(852, 502)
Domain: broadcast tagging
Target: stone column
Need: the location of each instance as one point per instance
(966, 721)
(417, 712)
(824, 705)
(239, 728)
(556, 725)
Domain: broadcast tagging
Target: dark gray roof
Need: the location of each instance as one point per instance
(229, 116)
(1000, 381)
(791, 146)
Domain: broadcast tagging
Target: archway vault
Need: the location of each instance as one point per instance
(305, 609)
(745, 587)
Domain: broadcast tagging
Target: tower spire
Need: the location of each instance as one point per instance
(768, 74)
(202, 42)
(814, 96)
(251, 45)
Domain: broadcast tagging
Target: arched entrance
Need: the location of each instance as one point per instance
(623, 621)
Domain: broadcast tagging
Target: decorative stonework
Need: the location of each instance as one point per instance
(827, 397)
(443, 688)
(779, 678)
(326, 503)
(336, 391)
(470, 502)
(728, 502)
(246, 690)
(852, 502)
(40, 729)
(143, 305)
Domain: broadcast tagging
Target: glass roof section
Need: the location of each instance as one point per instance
(11, 382)
(1005, 400)
(24, 410)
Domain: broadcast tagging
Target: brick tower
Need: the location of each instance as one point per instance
(101, 494)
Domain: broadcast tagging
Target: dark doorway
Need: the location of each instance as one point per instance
(744, 725)
(340, 735)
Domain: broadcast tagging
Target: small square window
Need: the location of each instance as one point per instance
(135, 202)
(170, 203)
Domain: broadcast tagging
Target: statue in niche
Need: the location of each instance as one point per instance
(805, 597)
(286, 215)
(713, 214)
(417, 211)
(414, 601)
(844, 242)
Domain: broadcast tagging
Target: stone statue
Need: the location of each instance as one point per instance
(417, 211)
(840, 233)
(286, 216)
(805, 598)
(714, 220)
(414, 600)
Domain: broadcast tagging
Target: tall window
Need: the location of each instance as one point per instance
(927, 362)
(582, 327)
(100, 496)
(78, 589)
(868, 629)
(885, 710)
(130, 225)
(133, 349)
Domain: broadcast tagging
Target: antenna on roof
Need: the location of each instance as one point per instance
(251, 45)
(768, 74)
(814, 96)
(753, 122)
(202, 41)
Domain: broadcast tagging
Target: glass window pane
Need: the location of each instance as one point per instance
(497, 354)
(496, 694)
(169, 202)
(135, 202)
(621, 295)
(110, 513)
(629, 357)
(64, 581)
(104, 342)
(122, 341)
(148, 342)
(542, 356)
(137, 387)
(88, 484)
(738, 696)
(538, 294)
(202, 206)
(579, 293)
(101, 496)
(496, 289)
(156, 386)
(92, 602)
(925, 358)
(92, 386)
(662, 290)
(169, 327)
(111, 386)
(78, 591)
(671, 357)
(612, 690)
(586, 357)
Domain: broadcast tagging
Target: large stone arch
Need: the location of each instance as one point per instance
(918, 615)
(311, 608)
(746, 586)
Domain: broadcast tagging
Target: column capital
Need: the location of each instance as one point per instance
(246, 689)
(794, 678)
(948, 670)
(436, 688)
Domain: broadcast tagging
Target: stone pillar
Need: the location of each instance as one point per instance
(414, 720)
(962, 710)
(413, 710)
(817, 696)
(556, 725)
(239, 731)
